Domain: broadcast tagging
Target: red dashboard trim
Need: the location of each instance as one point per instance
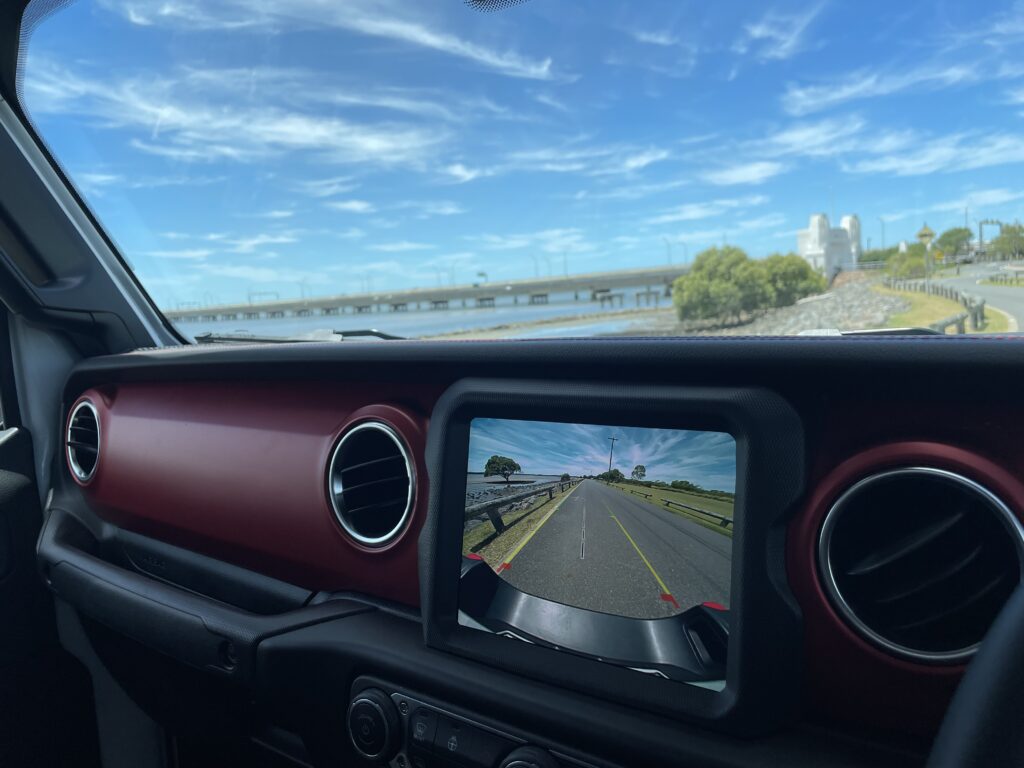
(236, 471)
(848, 679)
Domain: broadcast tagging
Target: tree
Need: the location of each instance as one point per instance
(791, 278)
(725, 284)
(612, 476)
(639, 472)
(1010, 242)
(565, 477)
(907, 265)
(954, 240)
(501, 465)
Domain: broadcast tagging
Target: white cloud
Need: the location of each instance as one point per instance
(756, 172)
(985, 198)
(251, 243)
(372, 19)
(428, 208)
(559, 240)
(179, 118)
(707, 210)
(188, 254)
(776, 36)
(403, 246)
(462, 173)
(946, 154)
(655, 37)
(336, 185)
(351, 206)
(279, 213)
(255, 274)
(868, 84)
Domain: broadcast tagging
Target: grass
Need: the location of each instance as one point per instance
(658, 495)
(493, 547)
(925, 310)
(1003, 284)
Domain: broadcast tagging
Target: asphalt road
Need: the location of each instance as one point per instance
(1010, 300)
(606, 551)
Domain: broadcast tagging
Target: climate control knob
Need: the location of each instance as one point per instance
(373, 725)
(529, 757)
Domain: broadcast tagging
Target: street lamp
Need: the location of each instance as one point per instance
(882, 222)
(611, 452)
(482, 275)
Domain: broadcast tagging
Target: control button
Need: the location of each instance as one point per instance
(529, 757)
(486, 748)
(369, 730)
(422, 727)
(373, 725)
(453, 739)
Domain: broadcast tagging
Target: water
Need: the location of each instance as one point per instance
(427, 322)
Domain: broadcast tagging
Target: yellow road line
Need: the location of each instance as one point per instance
(522, 543)
(654, 573)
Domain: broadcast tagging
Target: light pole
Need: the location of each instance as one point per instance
(611, 452)
(482, 275)
(668, 249)
(536, 266)
(882, 222)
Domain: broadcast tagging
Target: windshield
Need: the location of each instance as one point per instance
(446, 169)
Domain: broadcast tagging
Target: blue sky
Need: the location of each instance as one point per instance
(234, 149)
(546, 448)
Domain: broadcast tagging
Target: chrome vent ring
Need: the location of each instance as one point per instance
(82, 441)
(371, 483)
(919, 561)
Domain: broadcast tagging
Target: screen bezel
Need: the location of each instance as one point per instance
(763, 662)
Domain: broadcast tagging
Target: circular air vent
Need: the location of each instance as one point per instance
(920, 561)
(83, 441)
(370, 483)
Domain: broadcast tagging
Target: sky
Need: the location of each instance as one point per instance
(244, 149)
(550, 448)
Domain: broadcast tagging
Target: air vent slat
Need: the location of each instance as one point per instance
(919, 561)
(955, 610)
(907, 546)
(374, 483)
(943, 575)
(370, 501)
(376, 505)
(371, 463)
(82, 441)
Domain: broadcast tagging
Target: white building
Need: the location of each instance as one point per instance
(830, 250)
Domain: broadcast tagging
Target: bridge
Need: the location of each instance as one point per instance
(645, 287)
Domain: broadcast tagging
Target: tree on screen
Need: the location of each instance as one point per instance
(565, 477)
(639, 472)
(501, 465)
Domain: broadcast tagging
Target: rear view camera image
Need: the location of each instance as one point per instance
(613, 543)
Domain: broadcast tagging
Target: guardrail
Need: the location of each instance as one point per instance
(974, 306)
(1008, 278)
(723, 521)
(492, 507)
(639, 493)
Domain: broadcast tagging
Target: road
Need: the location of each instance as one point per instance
(606, 551)
(1010, 300)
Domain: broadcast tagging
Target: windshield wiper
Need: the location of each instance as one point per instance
(370, 332)
(242, 338)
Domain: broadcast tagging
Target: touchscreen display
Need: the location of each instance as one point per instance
(610, 542)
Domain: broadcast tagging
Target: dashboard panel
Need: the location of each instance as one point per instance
(223, 453)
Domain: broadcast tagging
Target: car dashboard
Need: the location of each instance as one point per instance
(226, 570)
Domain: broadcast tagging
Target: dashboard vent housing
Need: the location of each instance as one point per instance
(919, 561)
(83, 441)
(370, 483)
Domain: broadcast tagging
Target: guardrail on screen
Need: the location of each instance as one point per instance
(493, 507)
(723, 521)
